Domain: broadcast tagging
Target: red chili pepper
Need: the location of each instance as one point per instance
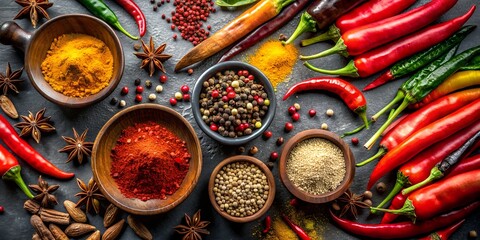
(366, 37)
(27, 153)
(10, 170)
(418, 169)
(380, 58)
(369, 12)
(132, 8)
(443, 234)
(268, 224)
(297, 229)
(421, 118)
(424, 138)
(350, 94)
(396, 203)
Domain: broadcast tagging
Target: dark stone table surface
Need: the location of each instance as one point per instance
(14, 222)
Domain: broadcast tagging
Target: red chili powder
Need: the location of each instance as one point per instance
(149, 161)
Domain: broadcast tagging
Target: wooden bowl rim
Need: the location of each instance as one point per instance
(74, 102)
(270, 180)
(162, 209)
(260, 76)
(349, 166)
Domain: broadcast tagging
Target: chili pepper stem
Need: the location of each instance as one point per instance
(406, 101)
(356, 130)
(332, 33)
(121, 29)
(338, 48)
(306, 24)
(408, 210)
(435, 174)
(401, 181)
(399, 97)
(349, 70)
(13, 174)
(380, 153)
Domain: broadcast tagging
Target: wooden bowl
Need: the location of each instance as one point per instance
(349, 165)
(37, 44)
(106, 139)
(270, 180)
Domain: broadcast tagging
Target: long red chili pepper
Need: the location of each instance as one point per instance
(424, 138)
(371, 11)
(421, 118)
(444, 234)
(268, 224)
(10, 170)
(418, 169)
(297, 229)
(404, 229)
(366, 37)
(442, 196)
(132, 8)
(466, 165)
(350, 94)
(380, 58)
(27, 153)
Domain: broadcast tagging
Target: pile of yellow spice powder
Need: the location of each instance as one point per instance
(275, 60)
(78, 65)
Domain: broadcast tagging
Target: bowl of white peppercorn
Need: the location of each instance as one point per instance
(316, 166)
(233, 102)
(241, 188)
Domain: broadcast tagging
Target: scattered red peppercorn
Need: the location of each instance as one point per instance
(295, 117)
(240, 73)
(251, 77)
(273, 156)
(173, 101)
(184, 89)
(231, 95)
(163, 78)
(288, 127)
(229, 89)
(172, 27)
(124, 91)
(355, 141)
(215, 94)
(174, 36)
(292, 110)
(294, 202)
(225, 99)
(312, 112)
(138, 98)
(245, 73)
(267, 135)
(186, 97)
(2, 209)
(214, 127)
(139, 89)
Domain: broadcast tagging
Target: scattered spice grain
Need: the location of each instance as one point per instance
(324, 126)
(316, 165)
(381, 187)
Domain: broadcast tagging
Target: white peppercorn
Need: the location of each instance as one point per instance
(329, 112)
(159, 88)
(324, 126)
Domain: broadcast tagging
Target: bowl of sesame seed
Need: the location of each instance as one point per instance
(316, 166)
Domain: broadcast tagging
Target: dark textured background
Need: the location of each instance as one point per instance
(14, 223)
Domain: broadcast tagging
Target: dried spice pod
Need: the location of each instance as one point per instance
(36, 237)
(79, 229)
(8, 107)
(113, 231)
(31, 206)
(76, 213)
(111, 215)
(95, 236)
(57, 232)
(139, 228)
(54, 216)
(40, 228)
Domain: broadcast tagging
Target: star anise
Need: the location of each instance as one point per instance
(89, 195)
(77, 147)
(193, 228)
(8, 80)
(153, 57)
(33, 8)
(352, 202)
(44, 192)
(35, 125)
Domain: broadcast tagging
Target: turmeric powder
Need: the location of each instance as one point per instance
(275, 60)
(78, 65)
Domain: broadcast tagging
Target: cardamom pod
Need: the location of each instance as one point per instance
(40, 228)
(36, 237)
(111, 215)
(76, 213)
(139, 228)
(8, 107)
(54, 216)
(57, 232)
(31, 206)
(113, 231)
(95, 236)
(79, 229)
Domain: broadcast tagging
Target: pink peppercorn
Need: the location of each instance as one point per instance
(288, 127)
(355, 141)
(295, 117)
(124, 91)
(184, 89)
(138, 98)
(292, 110)
(163, 78)
(139, 89)
(173, 101)
(312, 112)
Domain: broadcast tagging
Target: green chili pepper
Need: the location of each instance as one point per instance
(101, 10)
(233, 3)
(472, 65)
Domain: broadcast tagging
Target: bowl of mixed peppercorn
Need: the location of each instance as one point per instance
(233, 102)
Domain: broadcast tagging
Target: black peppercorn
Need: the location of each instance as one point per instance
(280, 141)
(137, 82)
(148, 84)
(114, 101)
(270, 165)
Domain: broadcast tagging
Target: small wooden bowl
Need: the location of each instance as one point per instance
(106, 139)
(270, 180)
(37, 44)
(349, 165)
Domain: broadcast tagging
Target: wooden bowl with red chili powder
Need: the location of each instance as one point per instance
(316, 166)
(146, 159)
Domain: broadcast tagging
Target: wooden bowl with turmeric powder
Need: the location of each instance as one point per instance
(73, 60)
(146, 159)
(316, 166)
